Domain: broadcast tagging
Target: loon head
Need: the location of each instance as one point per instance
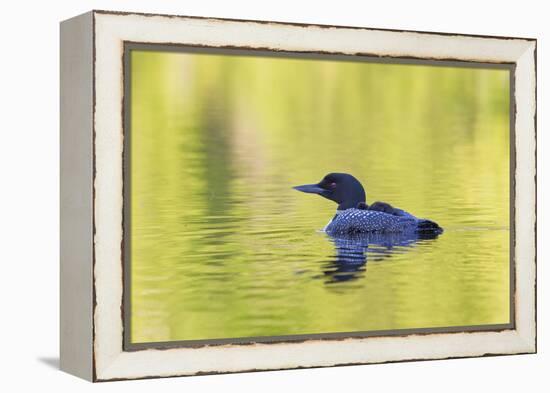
(342, 188)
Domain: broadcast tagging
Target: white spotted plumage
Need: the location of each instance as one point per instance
(357, 220)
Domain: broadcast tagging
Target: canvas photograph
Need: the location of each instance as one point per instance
(277, 197)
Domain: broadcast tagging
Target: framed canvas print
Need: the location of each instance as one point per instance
(245, 195)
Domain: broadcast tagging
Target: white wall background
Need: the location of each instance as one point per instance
(29, 181)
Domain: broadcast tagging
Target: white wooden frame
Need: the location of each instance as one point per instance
(92, 90)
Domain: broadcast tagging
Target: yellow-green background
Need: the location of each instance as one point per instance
(222, 247)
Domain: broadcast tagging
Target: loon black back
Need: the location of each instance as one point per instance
(353, 215)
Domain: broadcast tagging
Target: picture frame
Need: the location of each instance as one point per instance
(93, 272)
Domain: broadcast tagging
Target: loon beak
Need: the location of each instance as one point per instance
(310, 188)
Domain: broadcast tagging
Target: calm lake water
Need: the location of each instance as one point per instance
(223, 247)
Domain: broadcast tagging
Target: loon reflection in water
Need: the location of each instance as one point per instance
(349, 262)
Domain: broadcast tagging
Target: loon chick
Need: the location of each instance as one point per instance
(355, 216)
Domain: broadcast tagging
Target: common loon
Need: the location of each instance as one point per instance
(355, 216)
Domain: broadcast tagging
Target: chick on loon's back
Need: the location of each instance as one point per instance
(355, 216)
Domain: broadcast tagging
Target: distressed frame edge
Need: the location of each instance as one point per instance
(526, 340)
(525, 203)
(305, 24)
(76, 196)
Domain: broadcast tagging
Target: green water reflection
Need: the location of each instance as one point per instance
(223, 247)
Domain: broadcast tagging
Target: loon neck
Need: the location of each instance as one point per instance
(346, 206)
(352, 201)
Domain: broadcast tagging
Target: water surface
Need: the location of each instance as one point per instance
(222, 247)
